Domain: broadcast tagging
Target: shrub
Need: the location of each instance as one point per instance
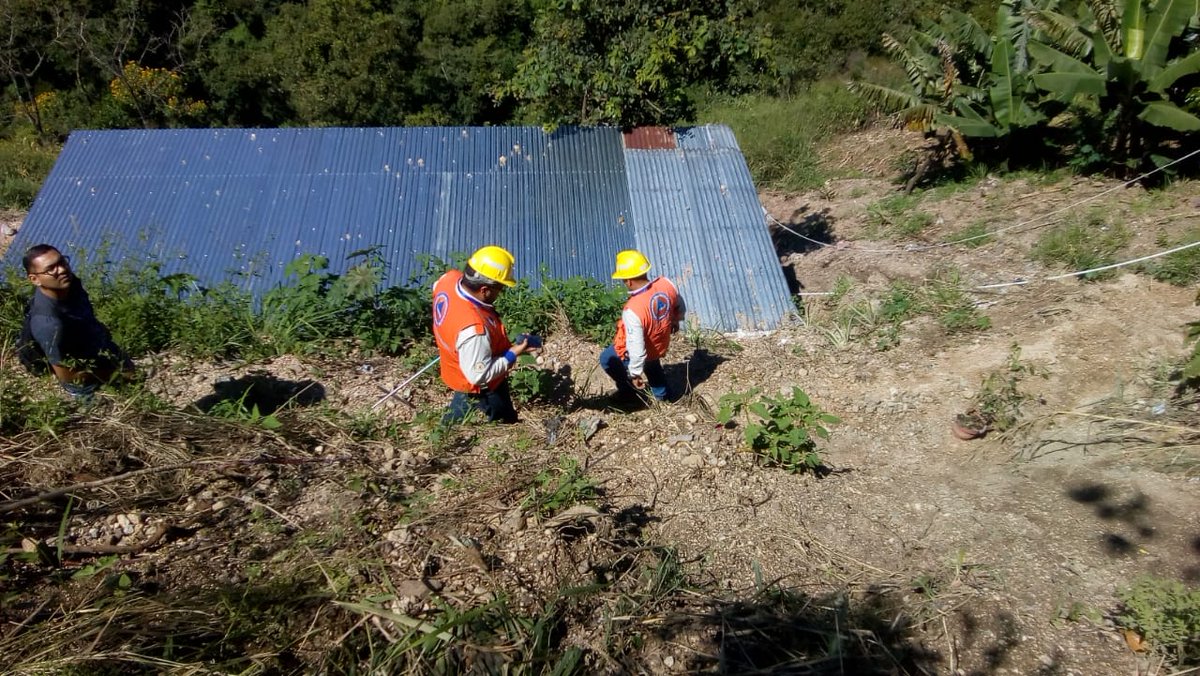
(1000, 398)
(558, 488)
(897, 216)
(946, 297)
(1165, 613)
(782, 431)
(25, 407)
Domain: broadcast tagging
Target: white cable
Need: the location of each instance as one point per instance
(940, 245)
(1023, 282)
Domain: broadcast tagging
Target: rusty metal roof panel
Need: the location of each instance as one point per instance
(240, 204)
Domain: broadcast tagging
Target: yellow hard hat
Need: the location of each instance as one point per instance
(631, 264)
(494, 263)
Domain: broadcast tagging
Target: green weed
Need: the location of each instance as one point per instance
(529, 383)
(896, 216)
(1181, 268)
(555, 489)
(945, 296)
(1083, 244)
(1001, 397)
(1190, 375)
(235, 409)
(974, 235)
(1165, 613)
(783, 430)
(28, 405)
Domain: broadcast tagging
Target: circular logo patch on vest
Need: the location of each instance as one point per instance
(660, 306)
(441, 304)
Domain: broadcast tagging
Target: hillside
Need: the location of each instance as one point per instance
(651, 541)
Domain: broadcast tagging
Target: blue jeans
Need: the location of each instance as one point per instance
(618, 369)
(495, 403)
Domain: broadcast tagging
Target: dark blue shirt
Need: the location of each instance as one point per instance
(69, 333)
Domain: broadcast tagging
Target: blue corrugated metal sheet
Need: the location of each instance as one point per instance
(700, 222)
(243, 203)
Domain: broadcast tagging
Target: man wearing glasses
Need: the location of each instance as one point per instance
(76, 346)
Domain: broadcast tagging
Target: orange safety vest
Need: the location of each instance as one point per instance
(454, 310)
(656, 304)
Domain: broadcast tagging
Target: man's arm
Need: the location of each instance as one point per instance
(47, 331)
(680, 312)
(475, 357)
(635, 343)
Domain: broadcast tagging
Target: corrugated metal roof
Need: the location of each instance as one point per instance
(242, 203)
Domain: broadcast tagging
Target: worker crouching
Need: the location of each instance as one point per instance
(476, 354)
(650, 316)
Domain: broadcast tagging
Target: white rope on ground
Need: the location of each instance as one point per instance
(1078, 273)
(942, 245)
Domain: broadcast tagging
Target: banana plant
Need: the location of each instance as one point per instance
(963, 81)
(1128, 64)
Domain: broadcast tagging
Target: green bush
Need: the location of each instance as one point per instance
(24, 407)
(1165, 613)
(590, 307)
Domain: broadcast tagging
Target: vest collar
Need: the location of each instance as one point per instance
(462, 293)
(640, 290)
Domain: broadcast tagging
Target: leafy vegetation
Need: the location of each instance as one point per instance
(1165, 613)
(848, 316)
(1190, 377)
(148, 311)
(1100, 84)
(897, 216)
(783, 430)
(1181, 268)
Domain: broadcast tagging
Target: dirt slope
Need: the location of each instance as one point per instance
(981, 557)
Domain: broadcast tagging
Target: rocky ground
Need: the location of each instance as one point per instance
(921, 552)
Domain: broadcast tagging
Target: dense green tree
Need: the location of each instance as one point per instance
(344, 62)
(467, 49)
(628, 63)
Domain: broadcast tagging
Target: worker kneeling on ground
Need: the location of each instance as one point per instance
(476, 354)
(61, 334)
(650, 316)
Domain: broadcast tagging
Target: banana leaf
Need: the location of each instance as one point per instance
(1168, 19)
(1188, 65)
(1164, 114)
(1067, 86)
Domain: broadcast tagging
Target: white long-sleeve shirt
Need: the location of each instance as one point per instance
(475, 357)
(635, 336)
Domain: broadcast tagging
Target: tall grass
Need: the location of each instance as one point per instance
(780, 136)
(24, 164)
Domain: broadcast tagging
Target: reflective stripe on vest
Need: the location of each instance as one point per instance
(453, 311)
(655, 304)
